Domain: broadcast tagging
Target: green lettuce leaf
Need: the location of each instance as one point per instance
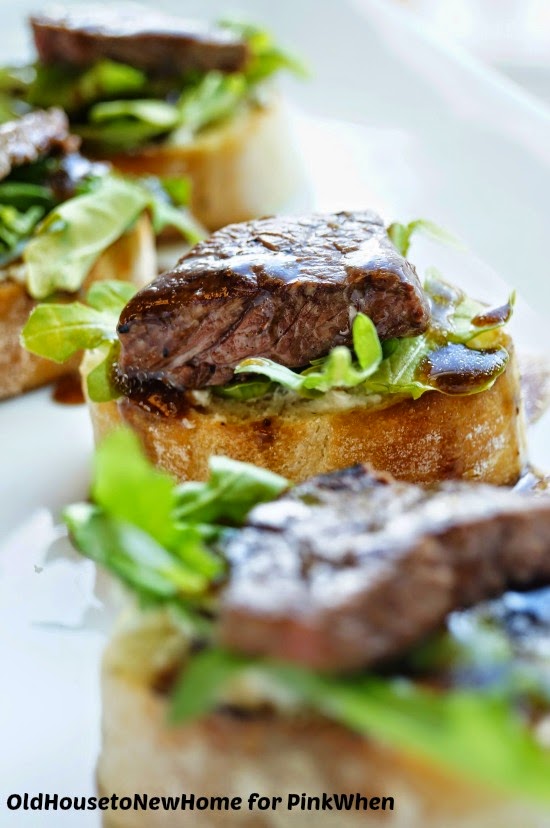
(475, 734)
(75, 233)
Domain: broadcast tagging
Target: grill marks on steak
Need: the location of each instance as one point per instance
(353, 568)
(144, 38)
(32, 137)
(285, 288)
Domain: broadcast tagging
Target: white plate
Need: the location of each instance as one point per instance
(393, 121)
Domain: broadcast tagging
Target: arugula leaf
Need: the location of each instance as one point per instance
(398, 373)
(401, 234)
(121, 135)
(73, 89)
(151, 532)
(99, 385)
(123, 125)
(24, 195)
(275, 372)
(132, 528)
(266, 57)
(337, 370)
(243, 391)
(16, 227)
(232, 489)
(212, 99)
(470, 319)
(133, 555)
(15, 80)
(165, 213)
(403, 366)
(131, 489)
(57, 331)
(110, 295)
(475, 734)
(75, 233)
(153, 112)
(201, 685)
(178, 190)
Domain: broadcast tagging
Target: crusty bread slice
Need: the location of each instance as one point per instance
(244, 168)
(477, 437)
(273, 752)
(130, 258)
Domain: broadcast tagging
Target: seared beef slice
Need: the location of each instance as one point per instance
(352, 568)
(144, 38)
(283, 288)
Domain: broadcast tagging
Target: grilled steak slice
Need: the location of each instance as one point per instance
(352, 568)
(143, 38)
(283, 288)
(32, 137)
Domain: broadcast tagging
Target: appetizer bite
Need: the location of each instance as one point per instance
(350, 639)
(158, 94)
(304, 345)
(65, 224)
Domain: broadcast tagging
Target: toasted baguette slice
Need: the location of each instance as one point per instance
(274, 752)
(130, 258)
(239, 170)
(477, 437)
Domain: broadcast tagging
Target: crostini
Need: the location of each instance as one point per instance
(292, 649)
(65, 224)
(160, 95)
(304, 345)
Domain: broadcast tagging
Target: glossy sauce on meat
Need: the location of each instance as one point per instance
(283, 288)
(32, 137)
(145, 38)
(351, 569)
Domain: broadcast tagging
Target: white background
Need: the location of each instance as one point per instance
(392, 120)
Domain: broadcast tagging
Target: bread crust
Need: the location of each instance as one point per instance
(130, 258)
(242, 169)
(273, 753)
(476, 437)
